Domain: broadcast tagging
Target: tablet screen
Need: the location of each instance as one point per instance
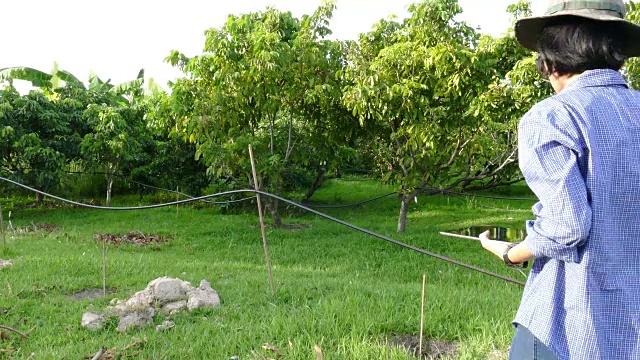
(497, 233)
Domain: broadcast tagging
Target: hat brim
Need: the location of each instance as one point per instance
(528, 30)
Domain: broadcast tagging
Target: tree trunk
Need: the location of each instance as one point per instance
(272, 206)
(109, 185)
(39, 197)
(405, 201)
(277, 220)
(316, 183)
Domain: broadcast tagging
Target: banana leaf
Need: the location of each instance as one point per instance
(36, 77)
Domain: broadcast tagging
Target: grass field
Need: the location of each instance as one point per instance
(343, 291)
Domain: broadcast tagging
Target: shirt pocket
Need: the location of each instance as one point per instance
(607, 278)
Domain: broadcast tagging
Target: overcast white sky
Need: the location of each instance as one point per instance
(116, 38)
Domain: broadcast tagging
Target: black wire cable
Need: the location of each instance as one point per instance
(444, 192)
(463, 199)
(344, 223)
(235, 201)
(350, 205)
(162, 189)
(487, 196)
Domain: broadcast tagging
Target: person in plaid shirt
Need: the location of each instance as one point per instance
(579, 152)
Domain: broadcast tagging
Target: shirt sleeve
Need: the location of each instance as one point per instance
(549, 154)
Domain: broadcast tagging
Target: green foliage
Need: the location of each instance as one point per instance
(39, 79)
(514, 89)
(167, 162)
(116, 133)
(65, 121)
(36, 77)
(632, 68)
(267, 79)
(101, 128)
(417, 87)
(428, 102)
(36, 139)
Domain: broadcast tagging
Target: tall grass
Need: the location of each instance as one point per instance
(335, 288)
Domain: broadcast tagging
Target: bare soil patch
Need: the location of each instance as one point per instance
(133, 237)
(91, 294)
(35, 228)
(47, 204)
(431, 349)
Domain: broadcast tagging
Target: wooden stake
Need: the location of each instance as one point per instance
(104, 267)
(264, 235)
(424, 281)
(177, 198)
(4, 239)
(99, 354)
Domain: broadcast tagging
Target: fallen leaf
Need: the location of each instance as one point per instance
(271, 348)
(319, 355)
(9, 350)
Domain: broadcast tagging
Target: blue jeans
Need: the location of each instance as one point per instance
(525, 346)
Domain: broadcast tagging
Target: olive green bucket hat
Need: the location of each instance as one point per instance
(528, 30)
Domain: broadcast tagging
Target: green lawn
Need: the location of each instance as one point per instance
(335, 288)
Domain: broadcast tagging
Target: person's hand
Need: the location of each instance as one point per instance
(496, 247)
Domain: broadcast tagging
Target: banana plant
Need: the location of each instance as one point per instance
(57, 79)
(40, 79)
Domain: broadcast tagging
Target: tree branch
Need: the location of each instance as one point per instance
(99, 354)
(26, 336)
(290, 146)
(494, 185)
(455, 153)
(510, 159)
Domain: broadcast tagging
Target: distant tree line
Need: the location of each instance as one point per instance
(428, 104)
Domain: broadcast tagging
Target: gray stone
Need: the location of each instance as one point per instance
(115, 311)
(140, 300)
(199, 298)
(205, 285)
(168, 295)
(174, 307)
(166, 325)
(92, 321)
(168, 290)
(186, 287)
(138, 320)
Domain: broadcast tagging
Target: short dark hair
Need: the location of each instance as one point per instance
(573, 45)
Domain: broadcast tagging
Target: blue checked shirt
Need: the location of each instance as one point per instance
(580, 154)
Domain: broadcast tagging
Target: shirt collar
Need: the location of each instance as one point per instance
(599, 77)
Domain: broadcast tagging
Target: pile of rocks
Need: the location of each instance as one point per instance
(163, 296)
